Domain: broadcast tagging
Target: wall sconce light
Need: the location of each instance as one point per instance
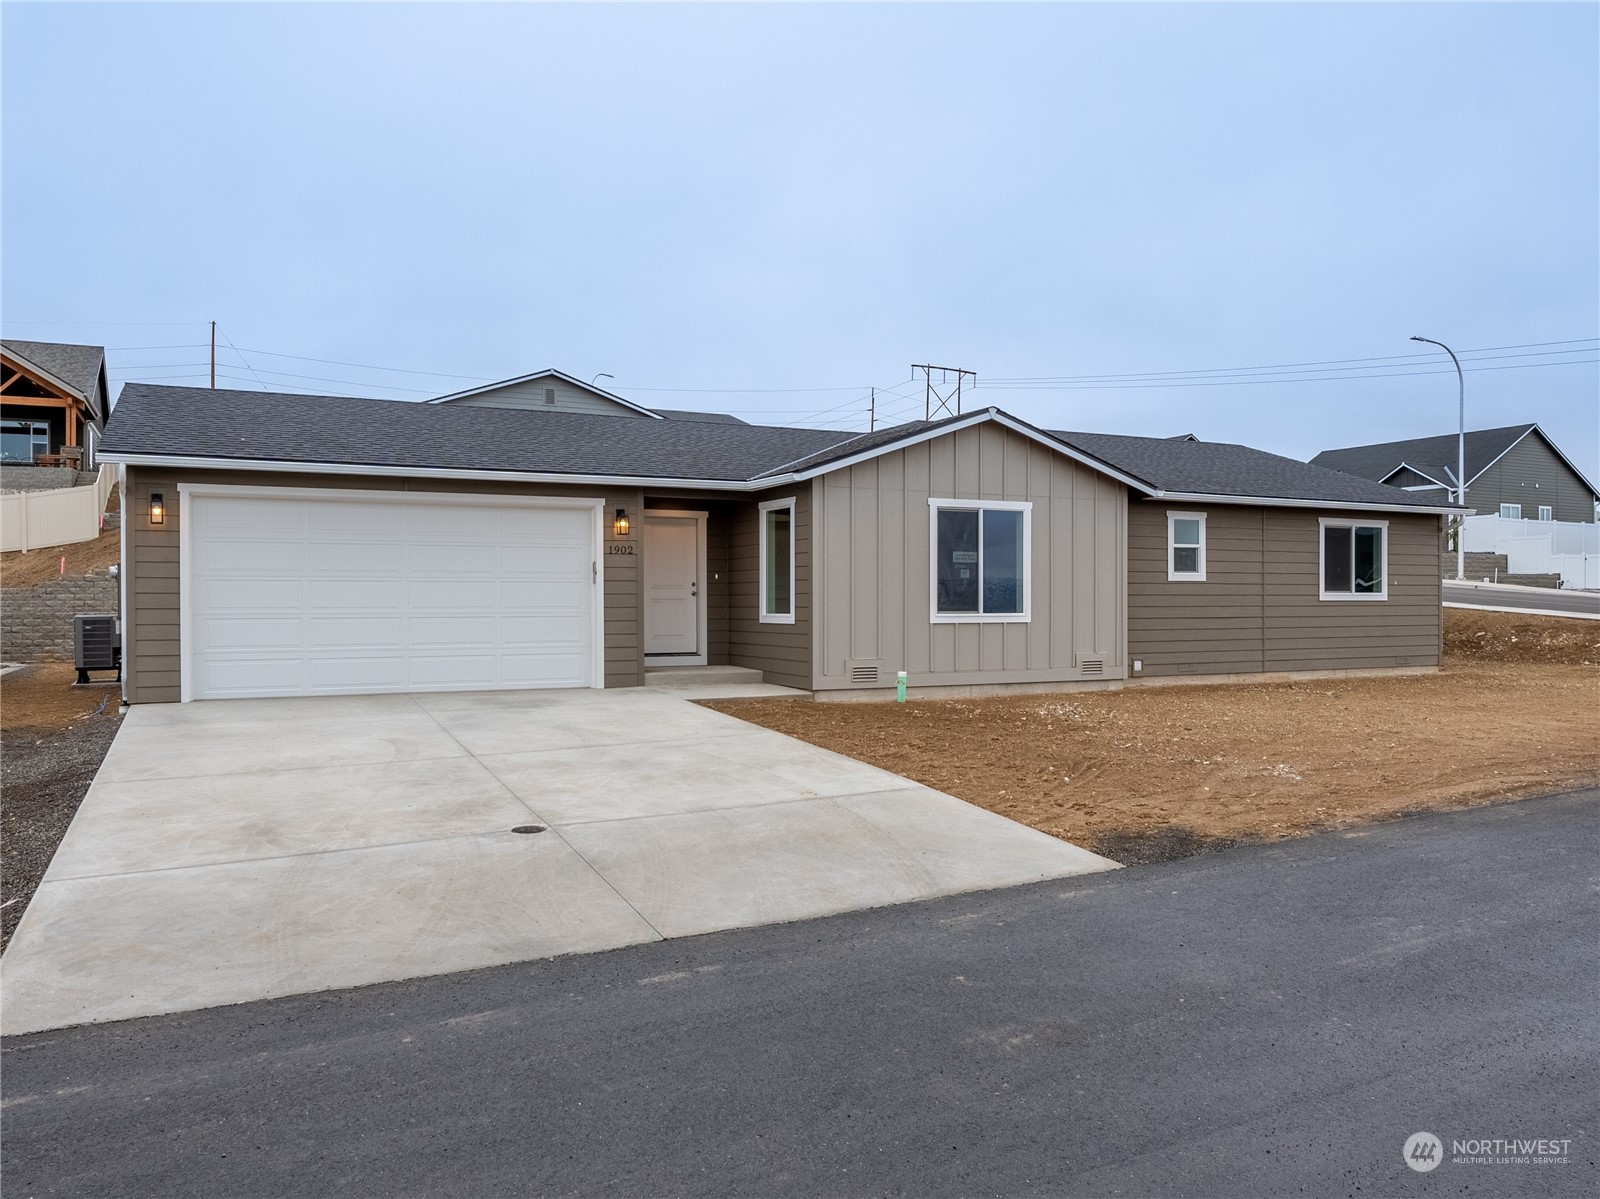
(158, 509)
(621, 524)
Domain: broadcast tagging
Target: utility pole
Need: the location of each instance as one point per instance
(213, 355)
(1461, 456)
(872, 412)
(943, 398)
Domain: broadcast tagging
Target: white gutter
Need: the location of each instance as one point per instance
(1266, 501)
(432, 472)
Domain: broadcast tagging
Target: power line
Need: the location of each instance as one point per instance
(1244, 382)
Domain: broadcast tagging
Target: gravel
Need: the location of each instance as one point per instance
(44, 775)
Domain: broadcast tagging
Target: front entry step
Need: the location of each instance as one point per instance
(671, 677)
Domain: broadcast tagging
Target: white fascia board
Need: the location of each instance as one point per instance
(423, 472)
(1417, 470)
(977, 418)
(546, 374)
(1266, 501)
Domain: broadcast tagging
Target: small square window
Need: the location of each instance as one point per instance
(1510, 511)
(1186, 547)
(1546, 512)
(1355, 559)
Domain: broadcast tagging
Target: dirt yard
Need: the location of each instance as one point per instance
(1148, 774)
(18, 569)
(52, 738)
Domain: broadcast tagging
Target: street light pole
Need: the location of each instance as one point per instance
(1461, 456)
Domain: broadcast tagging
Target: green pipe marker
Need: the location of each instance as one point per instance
(900, 688)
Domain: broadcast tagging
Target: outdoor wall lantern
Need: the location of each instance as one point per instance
(621, 525)
(158, 509)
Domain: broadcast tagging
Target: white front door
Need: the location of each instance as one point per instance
(672, 585)
(336, 594)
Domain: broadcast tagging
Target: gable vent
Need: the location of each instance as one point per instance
(550, 396)
(864, 672)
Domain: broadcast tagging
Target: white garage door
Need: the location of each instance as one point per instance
(322, 596)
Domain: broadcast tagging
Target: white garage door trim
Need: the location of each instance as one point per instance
(188, 492)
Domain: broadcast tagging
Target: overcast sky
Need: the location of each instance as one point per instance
(760, 204)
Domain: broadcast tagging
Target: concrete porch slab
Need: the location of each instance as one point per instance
(240, 850)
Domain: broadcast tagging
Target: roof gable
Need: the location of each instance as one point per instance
(78, 370)
(483, 396)
(1433, 455)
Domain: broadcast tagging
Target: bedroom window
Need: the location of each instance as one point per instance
(1186, 547)
(1355, 559)
(1546, 512)
(1510, 511)
(981, 560)
(777, 561)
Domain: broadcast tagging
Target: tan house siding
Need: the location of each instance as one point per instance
(782, 652)
(1210, 627)
(1304, 632)
(530, 395)
(151, 631)
(872, 587)
(1260, 607)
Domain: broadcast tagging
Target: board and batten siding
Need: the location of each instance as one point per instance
(1530, 474)
(782, 652)
(1259, 608)
(530, 395)
(874, 566)
(151, 637)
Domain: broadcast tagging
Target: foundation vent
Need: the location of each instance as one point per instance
(1091, 665)
(864, 672)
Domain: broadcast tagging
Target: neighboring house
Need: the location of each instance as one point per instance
(1516, 472)
(53, 403)
(293, 545)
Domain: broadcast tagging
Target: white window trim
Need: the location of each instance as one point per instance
(937, 617)
(1323, 523)
(1507, 515)
(1178, 576)
(762, 614)
(1547, 512)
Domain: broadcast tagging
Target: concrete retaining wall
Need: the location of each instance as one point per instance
(36, 622)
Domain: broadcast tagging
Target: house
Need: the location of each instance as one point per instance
(1515, 472)
(292, 545)
(52, 404)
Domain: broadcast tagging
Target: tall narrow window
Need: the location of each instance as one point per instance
(1355, 559)
(777, 561)
(980, 560)
(1186, 547)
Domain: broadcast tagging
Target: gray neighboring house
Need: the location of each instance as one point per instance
(1516, 472)
(293, 545)
(53, 406)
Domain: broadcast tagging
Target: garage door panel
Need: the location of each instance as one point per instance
(295, 595)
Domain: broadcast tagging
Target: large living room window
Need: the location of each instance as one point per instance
(777, 561)
(22, 440)
(981, 560)
(1355, 559)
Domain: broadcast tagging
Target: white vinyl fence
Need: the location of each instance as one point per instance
(35, 520)
(1562, 547)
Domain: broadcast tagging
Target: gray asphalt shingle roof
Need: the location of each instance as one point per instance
(76, 366)
(1431, 454)
(253, 425)
(1223, 469)
(195, 422)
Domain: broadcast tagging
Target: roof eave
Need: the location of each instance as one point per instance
(1265, 501)
(53, 379)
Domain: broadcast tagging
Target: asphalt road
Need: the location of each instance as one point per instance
(1522, 599)
(1263, 1021)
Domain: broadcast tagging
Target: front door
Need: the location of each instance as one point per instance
(672, 586)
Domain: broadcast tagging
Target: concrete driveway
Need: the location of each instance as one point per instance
(246, 849)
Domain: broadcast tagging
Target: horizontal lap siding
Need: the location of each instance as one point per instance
(151, 626)
(1305, 632)
(874, 565)
(782, 652)
(1260, 608)
(1210, 627)
(1531, 474)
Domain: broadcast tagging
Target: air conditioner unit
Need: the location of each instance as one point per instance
(96, 645)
